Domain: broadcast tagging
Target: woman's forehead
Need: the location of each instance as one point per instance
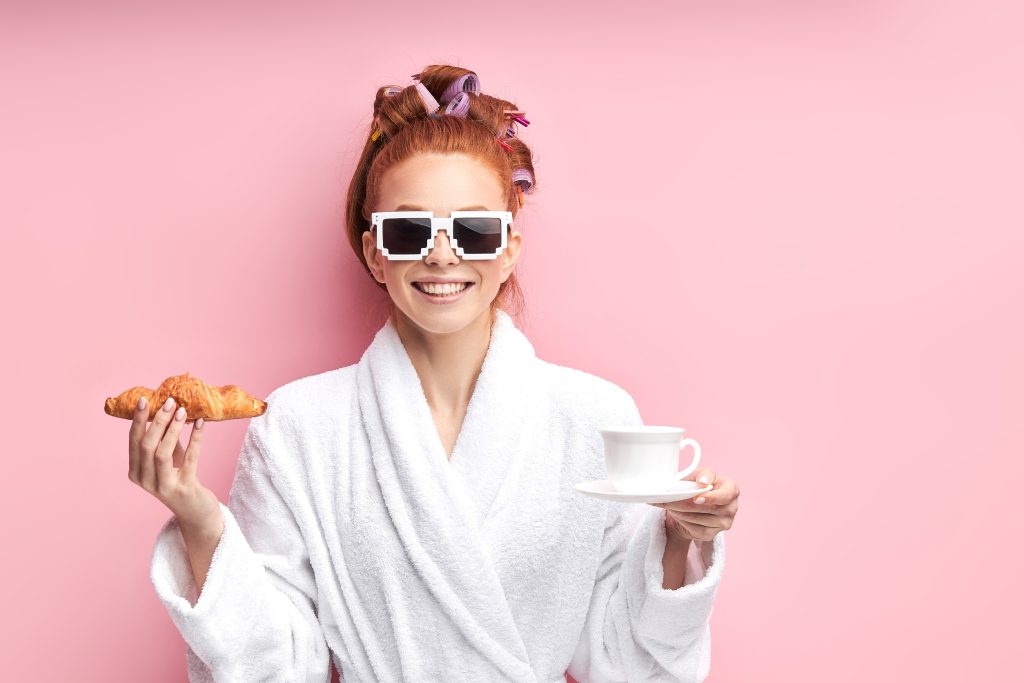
(440, 182)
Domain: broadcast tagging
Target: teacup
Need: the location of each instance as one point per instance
(646, 457)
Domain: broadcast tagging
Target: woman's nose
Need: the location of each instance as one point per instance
(442, 249)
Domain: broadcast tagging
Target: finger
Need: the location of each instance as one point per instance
(691, 504)
(147, 450)
(698, 532)
(688, 506)
(135, 433)
(165, 449)
(703, 475)
(699, 518)
(190, 465)
(722, 492)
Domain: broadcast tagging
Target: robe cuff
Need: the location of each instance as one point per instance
(685, 612)
(224, 611)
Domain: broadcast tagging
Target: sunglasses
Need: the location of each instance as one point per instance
(410, 235)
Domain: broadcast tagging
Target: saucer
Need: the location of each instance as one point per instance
(678, 490)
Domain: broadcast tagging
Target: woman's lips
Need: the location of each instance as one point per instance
(448, 299)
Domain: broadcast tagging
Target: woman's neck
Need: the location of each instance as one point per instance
(447, 364)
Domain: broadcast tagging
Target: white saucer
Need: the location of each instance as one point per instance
(679, 490)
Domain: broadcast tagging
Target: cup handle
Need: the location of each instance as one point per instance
(696, 457)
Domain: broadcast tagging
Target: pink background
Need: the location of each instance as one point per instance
(794, 228)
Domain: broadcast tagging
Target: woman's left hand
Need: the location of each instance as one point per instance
(701, 521)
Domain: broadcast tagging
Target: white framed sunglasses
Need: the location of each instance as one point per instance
(410, 235)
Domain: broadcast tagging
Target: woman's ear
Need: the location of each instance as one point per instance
(373, 256)
(510, 254)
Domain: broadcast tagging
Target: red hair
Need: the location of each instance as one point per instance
(402, 127)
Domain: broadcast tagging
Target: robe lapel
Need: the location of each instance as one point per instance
(438, 506)
(491, 433)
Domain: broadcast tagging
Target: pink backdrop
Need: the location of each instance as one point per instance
(804, 241)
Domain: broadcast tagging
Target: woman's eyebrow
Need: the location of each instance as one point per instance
(412, 207)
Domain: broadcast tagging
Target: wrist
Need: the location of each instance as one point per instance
(210, 526)
(200, 512)
(674, 536)
(673, 562)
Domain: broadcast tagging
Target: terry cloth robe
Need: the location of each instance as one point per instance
(349, 533)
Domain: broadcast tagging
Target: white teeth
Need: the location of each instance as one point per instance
(437, 288)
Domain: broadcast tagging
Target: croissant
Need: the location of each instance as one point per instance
(199, 399)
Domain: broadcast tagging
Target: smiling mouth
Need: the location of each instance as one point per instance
(434, 289)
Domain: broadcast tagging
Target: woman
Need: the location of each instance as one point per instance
(413, 514)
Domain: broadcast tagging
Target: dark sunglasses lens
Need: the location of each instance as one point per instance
(481, 235)
(405, 235)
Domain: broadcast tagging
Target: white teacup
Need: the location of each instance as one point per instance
(646, 457)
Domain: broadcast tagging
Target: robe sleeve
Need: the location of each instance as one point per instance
(635, 629)
(256, 617)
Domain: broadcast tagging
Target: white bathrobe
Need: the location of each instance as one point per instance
(350, 534)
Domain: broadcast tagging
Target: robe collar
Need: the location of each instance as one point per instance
(494, 417)
(439, 506)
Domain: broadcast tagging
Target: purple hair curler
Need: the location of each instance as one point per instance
(459, 105)
(465, 83)
(523, 175)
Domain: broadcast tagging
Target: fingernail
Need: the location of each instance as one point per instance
(704, 479)
(700, 500)
(142, 403)
(199, 423)
(179, 414)
(168, 404)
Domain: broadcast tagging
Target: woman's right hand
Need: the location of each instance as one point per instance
(158, 463)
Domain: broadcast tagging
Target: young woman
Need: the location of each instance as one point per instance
(413, 515)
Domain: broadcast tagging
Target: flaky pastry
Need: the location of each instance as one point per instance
(199, 399)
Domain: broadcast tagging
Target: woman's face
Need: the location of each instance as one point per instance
(441, 183)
